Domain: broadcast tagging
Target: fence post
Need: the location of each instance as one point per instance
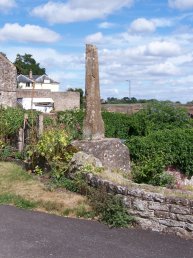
(40, 124)
(20, 142)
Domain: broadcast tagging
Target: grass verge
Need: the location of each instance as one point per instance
(23, 190)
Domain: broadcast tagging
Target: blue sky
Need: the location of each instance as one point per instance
(148, 42)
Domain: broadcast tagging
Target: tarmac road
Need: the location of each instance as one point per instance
(28, 234)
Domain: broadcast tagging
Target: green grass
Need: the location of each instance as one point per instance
(24, 190)
(17, 201)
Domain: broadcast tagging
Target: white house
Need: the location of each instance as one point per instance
(40, 104)
(39, 82)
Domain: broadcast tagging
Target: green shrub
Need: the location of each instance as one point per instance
(158, 116)
(116, 125)
(72, 121)
(12, 119)
(153, 153)
(109, 208)
(52, 150)
(67, 183)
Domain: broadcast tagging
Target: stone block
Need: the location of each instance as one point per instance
(139, 205)
(178, 201)
(180, 209)
(149, 224)
(135, 192)
(127, 201)
(158, 206)
(172, 223)
(185, 218)
(111, 152)
(142, 214)
(189, 227)
(162, 214)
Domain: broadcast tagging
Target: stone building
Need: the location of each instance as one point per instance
(46, 90)
(8, 82)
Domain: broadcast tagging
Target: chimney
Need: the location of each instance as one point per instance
(30, 74)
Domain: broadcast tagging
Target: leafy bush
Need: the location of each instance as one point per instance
(116, 125)
(72, 121)
(12, 119)
(158, 116)
(109, 208)
(152, 153)
(52, 150)
(155, 116)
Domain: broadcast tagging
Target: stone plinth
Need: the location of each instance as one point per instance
(110, 151)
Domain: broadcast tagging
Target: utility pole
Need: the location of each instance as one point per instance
(129, 83)
(130, 107)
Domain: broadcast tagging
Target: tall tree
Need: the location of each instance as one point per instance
(25, 63)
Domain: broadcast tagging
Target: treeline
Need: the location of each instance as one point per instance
(133, 100)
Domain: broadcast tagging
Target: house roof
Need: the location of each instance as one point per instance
(24, 79)
(35, 78)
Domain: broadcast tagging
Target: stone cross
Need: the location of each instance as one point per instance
(93, 126)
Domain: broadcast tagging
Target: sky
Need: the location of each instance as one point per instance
(145, 47)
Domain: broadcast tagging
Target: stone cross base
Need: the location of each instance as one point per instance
(111, 152)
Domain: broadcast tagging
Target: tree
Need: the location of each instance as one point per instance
(26, 63)
(81, 95)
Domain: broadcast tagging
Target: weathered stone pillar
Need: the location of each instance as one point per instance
(93, 126)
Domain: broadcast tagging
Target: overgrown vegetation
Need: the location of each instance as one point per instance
(159, 136)
(109, 208)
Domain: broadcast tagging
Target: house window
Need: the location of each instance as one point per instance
(47, 81)
(27, 84)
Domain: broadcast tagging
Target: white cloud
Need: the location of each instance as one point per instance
(181, 4)
(27, 33)
(95, 38)
(7, 4)
(163, 48)
(106, 25)
(166, 68)
(142, 25)
(78, 10)
(163, 22)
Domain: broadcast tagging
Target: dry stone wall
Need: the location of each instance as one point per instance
(153, 211)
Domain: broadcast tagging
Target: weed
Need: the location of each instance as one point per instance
(110, 208)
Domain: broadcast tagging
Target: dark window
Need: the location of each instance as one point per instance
(27, 84)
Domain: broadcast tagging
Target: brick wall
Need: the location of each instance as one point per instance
(8, 82)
